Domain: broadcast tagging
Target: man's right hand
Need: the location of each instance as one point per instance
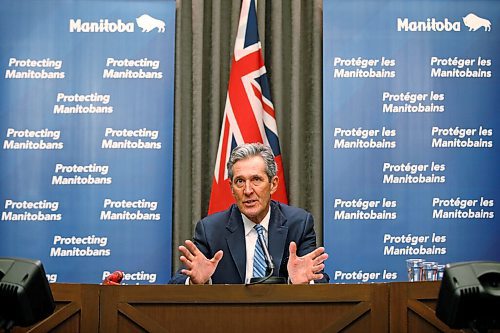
(198, 267)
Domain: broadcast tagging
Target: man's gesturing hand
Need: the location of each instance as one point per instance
(304, 269)
(198, 267)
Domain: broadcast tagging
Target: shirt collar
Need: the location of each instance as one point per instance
(249, 224)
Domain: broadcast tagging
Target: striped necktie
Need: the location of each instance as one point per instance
(259, 261)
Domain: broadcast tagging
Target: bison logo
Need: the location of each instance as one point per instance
(148, 23)
(474, 22)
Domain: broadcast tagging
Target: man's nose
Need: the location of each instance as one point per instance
(248, 189)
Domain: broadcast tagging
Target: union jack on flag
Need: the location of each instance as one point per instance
(249, 113)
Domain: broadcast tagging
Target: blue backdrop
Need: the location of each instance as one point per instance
(410, 121)
(86, 117)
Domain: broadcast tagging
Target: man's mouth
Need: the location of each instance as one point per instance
(249, 202)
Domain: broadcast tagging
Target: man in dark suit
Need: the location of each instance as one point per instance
(224, 242)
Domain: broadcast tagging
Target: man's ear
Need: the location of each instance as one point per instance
(274, 184)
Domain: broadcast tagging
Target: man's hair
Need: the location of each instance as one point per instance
(248, 150)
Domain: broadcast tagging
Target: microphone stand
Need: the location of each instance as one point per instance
(268, 279)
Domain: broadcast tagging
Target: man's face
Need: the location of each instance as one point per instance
(251, 187)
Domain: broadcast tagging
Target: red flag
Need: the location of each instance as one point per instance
(249, 113)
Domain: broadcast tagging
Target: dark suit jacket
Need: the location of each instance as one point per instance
(225, 231)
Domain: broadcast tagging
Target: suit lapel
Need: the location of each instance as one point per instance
(236, 241)
(277, 235)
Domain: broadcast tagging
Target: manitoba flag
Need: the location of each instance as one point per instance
(249, 113)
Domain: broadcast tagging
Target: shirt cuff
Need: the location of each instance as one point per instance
(188, 281)
(290, 281)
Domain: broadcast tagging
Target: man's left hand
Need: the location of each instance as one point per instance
(302, 270)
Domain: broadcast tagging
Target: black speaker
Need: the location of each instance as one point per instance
(469, 296)
(25, 295)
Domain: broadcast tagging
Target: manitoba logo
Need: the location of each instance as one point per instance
(146, 22)
(103, 25)
(474, 22)
(471, 21)
(431, 24)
